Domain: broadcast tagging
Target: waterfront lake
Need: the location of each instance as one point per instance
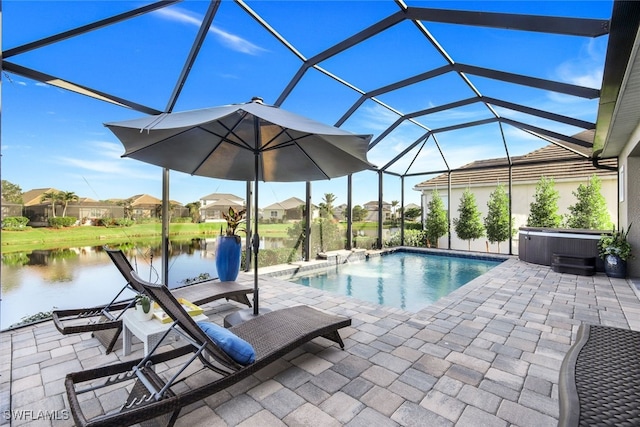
(86, 276)
(78, 277)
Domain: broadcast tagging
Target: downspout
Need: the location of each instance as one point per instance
(594, 161)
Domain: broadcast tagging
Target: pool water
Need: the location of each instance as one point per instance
(405, 280)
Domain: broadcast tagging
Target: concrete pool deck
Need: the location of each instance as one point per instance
(486, 355)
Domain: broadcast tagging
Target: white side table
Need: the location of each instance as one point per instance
(149, 332)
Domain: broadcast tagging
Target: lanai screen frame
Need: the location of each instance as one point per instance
(580, 27)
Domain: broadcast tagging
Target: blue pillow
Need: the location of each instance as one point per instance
(237, 348)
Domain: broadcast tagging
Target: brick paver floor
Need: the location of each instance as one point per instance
(486, 355)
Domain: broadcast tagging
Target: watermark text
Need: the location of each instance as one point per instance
(33, 415)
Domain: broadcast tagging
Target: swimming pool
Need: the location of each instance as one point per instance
(406, 280)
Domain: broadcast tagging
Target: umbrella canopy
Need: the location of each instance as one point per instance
(246, 142)
(222, 142)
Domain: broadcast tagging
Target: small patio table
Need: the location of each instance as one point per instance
(150, 332)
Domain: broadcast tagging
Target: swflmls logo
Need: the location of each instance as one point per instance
(30, 415)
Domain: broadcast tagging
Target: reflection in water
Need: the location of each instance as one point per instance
(82, 277)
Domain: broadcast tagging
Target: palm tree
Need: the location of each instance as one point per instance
(53, 197)
(327, 205)
(66, 197)
(127, 207)
(394, 207)
(194, 210)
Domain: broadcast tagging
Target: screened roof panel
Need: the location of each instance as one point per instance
(456, 116)
(429, 93)
(336, 23)
(106, 56)
(365, 66)
(26, 21)
(423, 155)
(316, 88)
(532, 54)
(379, 58)
(463, 146)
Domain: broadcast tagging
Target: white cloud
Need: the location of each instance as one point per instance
(105, 159)
(229, 40)
(587, 69)
(109, 149)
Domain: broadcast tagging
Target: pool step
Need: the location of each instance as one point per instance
(574, 264)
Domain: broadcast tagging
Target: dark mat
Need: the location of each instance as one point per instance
(600, 378)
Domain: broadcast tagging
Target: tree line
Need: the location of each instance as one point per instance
(589, 212)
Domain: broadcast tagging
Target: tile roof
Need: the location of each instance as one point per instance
(564, 162)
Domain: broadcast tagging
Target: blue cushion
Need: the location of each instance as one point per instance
(237, 348)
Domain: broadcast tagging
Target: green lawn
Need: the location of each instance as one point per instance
(49, 238)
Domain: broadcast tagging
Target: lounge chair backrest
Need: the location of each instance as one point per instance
(124, 266)
(161, 294)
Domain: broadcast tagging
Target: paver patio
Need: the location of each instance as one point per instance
(486, 355)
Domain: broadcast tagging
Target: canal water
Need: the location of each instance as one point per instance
(83, 277)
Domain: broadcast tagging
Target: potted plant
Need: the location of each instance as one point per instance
(229, 246)
(615, 250)
(143, 307)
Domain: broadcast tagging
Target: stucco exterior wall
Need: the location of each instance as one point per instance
(629, 160)
(523, 196)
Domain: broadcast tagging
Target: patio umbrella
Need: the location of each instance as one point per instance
(246, 142)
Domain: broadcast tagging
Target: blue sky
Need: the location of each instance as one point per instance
(55, 138)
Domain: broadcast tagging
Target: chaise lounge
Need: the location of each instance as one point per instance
(105, 321)
(151, 393)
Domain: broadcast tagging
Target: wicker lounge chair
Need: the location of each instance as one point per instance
(105, 321)
(150, 394)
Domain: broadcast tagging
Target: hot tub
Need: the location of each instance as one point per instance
(537, 245)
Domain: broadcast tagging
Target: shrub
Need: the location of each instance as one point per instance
(496, 222)
(62, 221)
(413, 226)
(415, 238)
(43, 315)
(436, 223)
(590, 210)
(267, 257)
(364, 242)
(115, 222)
(182, 219)
(543, 211)
(469, 225)
(15, 223)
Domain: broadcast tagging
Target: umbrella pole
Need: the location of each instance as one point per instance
(256, 240)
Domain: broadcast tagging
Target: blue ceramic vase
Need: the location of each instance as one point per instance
(228, 258)
(615, 267)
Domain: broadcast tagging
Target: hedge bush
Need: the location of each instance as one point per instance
(115, 222)
(15, 223)
(62, 221)
(416, 238)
